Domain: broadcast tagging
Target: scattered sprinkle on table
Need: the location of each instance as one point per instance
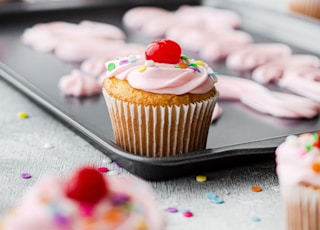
(103, 169)
(187, 214)
(23, 115)
(256, 188)
(201, 178)
(25, 175)
(117, 164)
(214, 198)
(172, 210)
(106, 161)
(255, 219)
(48, 146)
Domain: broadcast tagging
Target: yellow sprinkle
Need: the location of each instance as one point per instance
(201, 178)
(23, 115)
(142, 69)
(198, 62)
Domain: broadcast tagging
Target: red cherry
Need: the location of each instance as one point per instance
(87, 185)
(163, 51)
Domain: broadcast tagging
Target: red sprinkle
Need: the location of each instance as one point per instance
(103, 169)
(187, 214)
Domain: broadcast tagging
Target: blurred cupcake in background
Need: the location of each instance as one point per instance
(306, 7)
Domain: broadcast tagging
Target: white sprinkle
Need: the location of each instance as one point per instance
(106, 161)
(149, 63)
(113, 173)
(48, 146)
(132, 58)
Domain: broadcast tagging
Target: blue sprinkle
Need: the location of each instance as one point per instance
(214, 198)
(255, 219)
(213, 74)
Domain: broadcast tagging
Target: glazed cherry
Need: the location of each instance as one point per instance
(87, 186)
(163, 51)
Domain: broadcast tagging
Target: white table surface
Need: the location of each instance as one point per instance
(22, 150)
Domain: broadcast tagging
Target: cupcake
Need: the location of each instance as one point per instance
(160, 103)
(86, 200)
(298, 169)
(309, 8)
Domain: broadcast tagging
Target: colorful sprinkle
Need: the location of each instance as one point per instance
(255, 219)
(256, 188)
(23, 115)
(123, 62)
(201, 63)
(308, 148)
(106, 161)
(194, 69)
(181, 65)
(172, 210)
(213, 74)
(26, 175)
(214, 198)
(201, 178)
(111, 66)
(132, 58)
(120, 199)
(316, 166)
(117, 164)
(184, 57)
(142, 68)
(187, 214)
(149, 63)
(103, 169)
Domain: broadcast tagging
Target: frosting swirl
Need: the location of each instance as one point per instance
(188, 76)
(298, 160)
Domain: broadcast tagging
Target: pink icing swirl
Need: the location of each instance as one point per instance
(194, 77)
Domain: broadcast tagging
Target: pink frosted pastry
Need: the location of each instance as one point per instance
(46, 36)
(79, 84)
(136, 17)
(155, 22)
(259, 98)
(87, 200)
(82, 49)
(298, 170)
(273, 70)
(254, 55)
(303, 81)
(198, 40)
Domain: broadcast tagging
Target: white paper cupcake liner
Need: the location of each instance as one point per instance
(301, 207)
(157, 131)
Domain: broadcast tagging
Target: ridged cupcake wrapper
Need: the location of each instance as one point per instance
(301, 208)
(306, 7)
(157, 131)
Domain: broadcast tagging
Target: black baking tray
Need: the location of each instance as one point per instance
(240, 136)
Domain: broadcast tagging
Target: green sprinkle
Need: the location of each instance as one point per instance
(308, 148)
(184, 57)
(111, 66)
(194, 65)
(315, 136)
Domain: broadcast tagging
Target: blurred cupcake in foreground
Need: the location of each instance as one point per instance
(160, 104)
(298, 169)
(306, 7)
(87, 200)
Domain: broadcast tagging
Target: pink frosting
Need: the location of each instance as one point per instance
(254, 55)
(304, 81)
(273, 70)
(262, 99)
(162, 78)
(295, 161)
(78, 84)
(46, 207)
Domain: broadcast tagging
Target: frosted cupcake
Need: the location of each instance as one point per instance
(160, 104)
(87, 200)
(298, 169)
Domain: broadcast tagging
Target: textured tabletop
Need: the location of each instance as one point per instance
(23, 149)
